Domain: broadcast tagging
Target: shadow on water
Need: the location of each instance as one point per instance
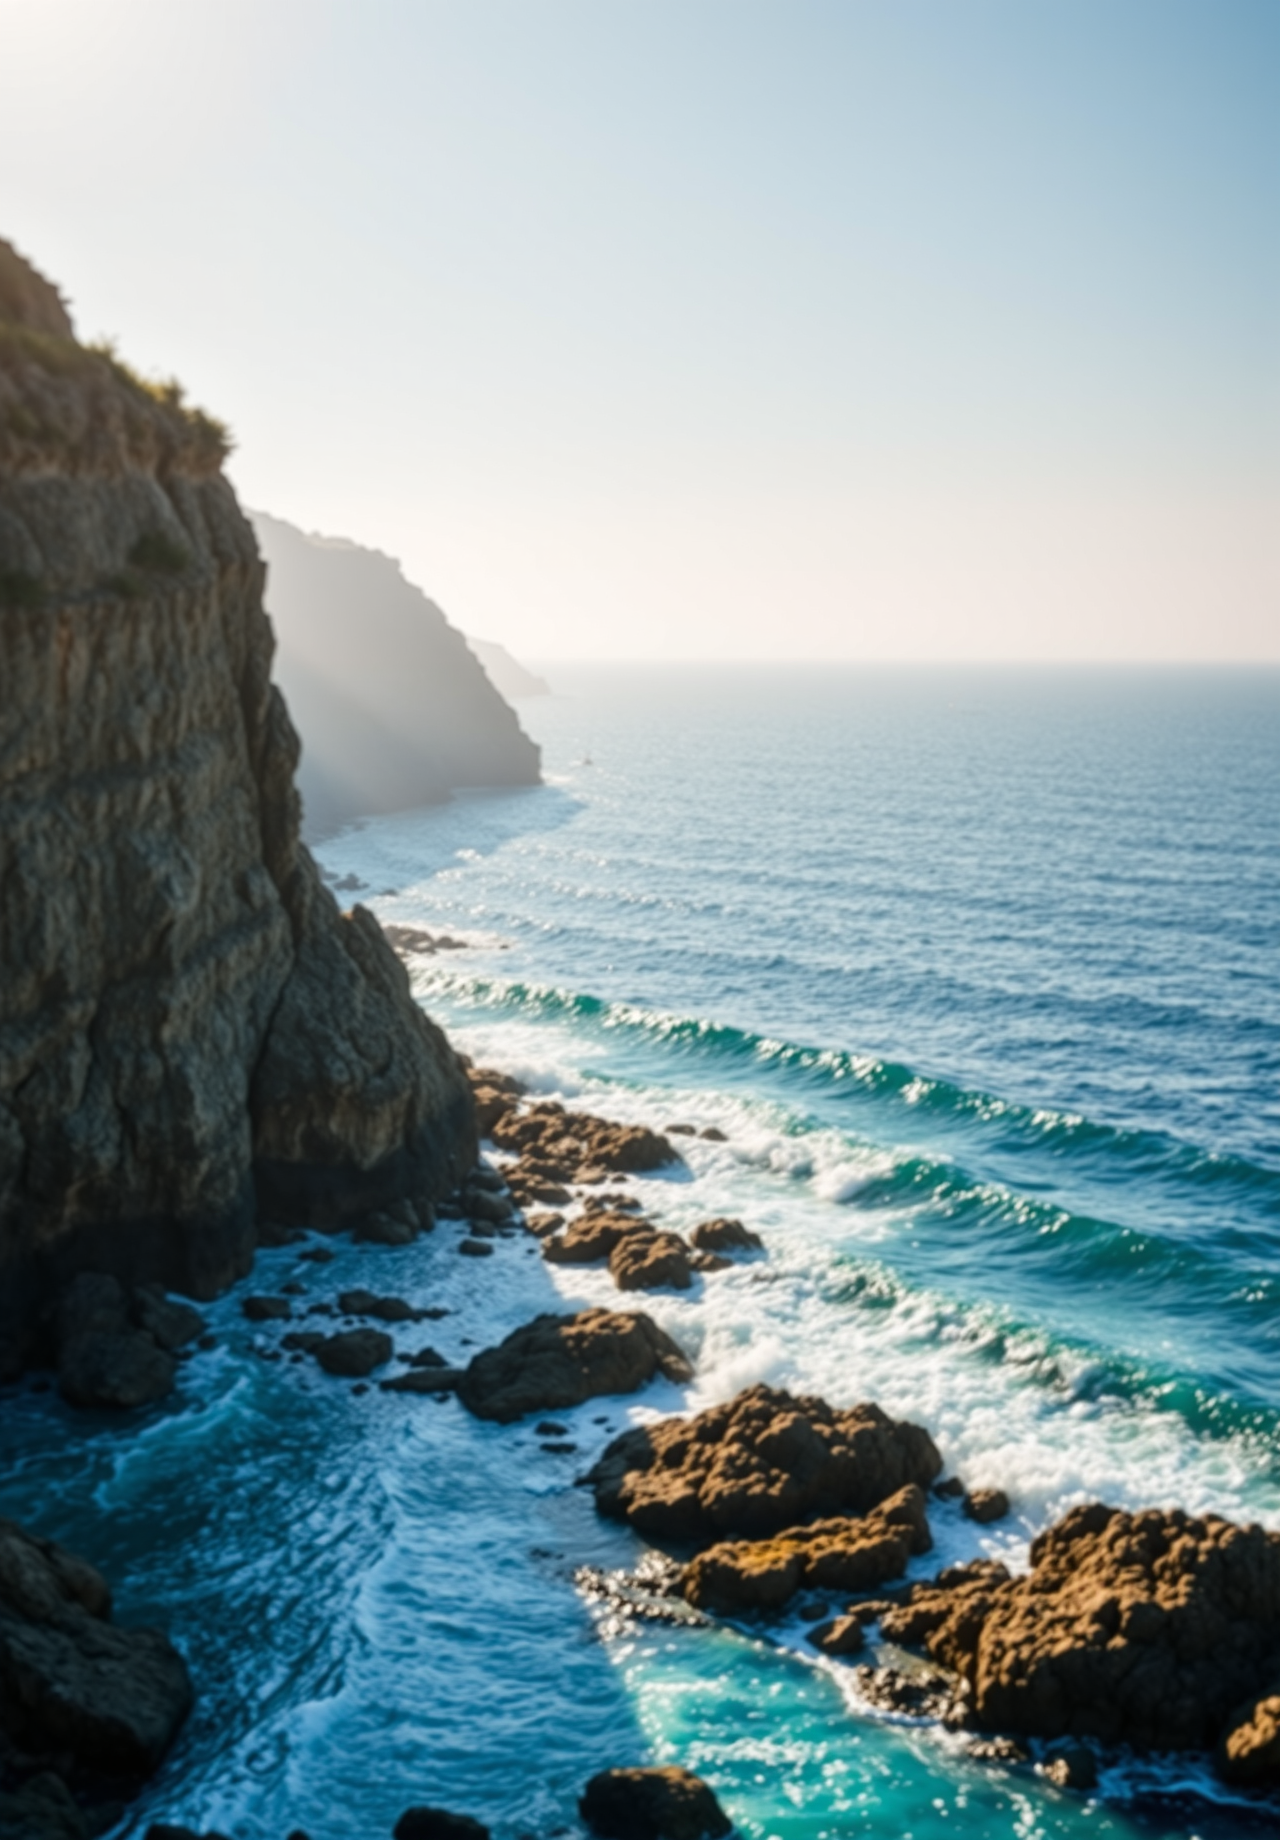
(406, 848)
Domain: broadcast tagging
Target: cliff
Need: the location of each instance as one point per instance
(192, 1036)
(394, 708)
(508, 676)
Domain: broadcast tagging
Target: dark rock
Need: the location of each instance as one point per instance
(427, 1357)
(437, 1824)
(386, 1309)
(475, 1248)
(103, 1359)
(757, 1465)
(71, 1683)
(303, 1341)
(559, 1448)
(986, 1505)
(383, 1229)
(950, 1489)
(1071, 1766)
(266, 1309)
(842, 1636)
(1146, 1628)
(165, 1830)
(652, 1804)
(42, 1808)
(354, 1353)
(170, 1324)
(713, 1135)
(560, 1361)
(272, 1234)
(833, 1555)
(319, 1255)
(723, 1235)
(549, 1428)
(425, 1380)
(483, 1204)
(682, 1130)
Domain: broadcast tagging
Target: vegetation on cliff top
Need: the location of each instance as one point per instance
(79, 408)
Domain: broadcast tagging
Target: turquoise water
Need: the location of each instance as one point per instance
(978, 974)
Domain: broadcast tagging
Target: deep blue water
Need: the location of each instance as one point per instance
(978, 972)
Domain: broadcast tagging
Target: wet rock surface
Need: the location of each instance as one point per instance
(1150, 1628)
(353, 1354)
(116, 1347)
(555, 1362)
(1248, 1752)
(764, 1462)
(438, 1824)
(652, 1804)
(721, 1235)
(647, 1259)
(105, 1702)
(847, 1554)
(556, 1146)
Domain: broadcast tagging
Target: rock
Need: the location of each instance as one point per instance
(170, 1324)
(164, 1830)
(437, 1824)
(986, 1505)
(759, 1464)
(383, 1229)
(652, 1804)
(490, 1106)
(499, 1082)
(354, 1353)
(584, 1143)
(427, 1357)
(485, 1177)
(647, 1260)
(543, 1225)
(549, 1428)
(103, 1358)
(998, 1750)
(842, 1636)
(589, 1239)
(303, 1341)
(1248, 1752)
(475, 1248)
(950, 1489)
(386, 1309)
(193, 1031)
(71, 1684)
(917, 1693)
(682, 1130)
(266, 1309)
(713, 1135)
(1146, 1628)
(43, 1808)
(844, 1555)
(483, 1204)
(425, 1380)
(1071, 1766)
(710, 1261)
(555, 1362)
(722, 1235)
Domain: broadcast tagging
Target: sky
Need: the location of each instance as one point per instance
(719, 329)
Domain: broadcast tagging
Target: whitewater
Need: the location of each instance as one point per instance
(976, 974)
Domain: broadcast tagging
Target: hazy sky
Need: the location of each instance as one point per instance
(814, 328)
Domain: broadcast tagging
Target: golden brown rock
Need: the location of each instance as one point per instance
(555, 1362)
(1147, 1628)
(765, 1461)
(646, 1259)
(564, 1145)
(845, 1554)
(1249, 1750)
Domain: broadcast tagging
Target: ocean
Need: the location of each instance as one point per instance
(976, 970)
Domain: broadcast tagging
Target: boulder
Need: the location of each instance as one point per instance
(430, 1380)
(555, 1362)
(1147, 1628)
(652, 1804)
(846, 1554)
(266, 1309)
(723, 1235)
(761, 1463)
(437, 1824)
(386, 1309)
(563, 1143)
(646, 1259)
(104, 1358)
(842, 1636)
(73, 1685)
(170, 1324)
(985, 1505)
(1248, 1752)
(353, 1354)
(588, 1240)
(43, 1808)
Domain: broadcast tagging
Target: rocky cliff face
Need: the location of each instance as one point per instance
(190, 1031)
(394, 707)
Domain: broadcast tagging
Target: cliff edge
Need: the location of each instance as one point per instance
(192, 1036)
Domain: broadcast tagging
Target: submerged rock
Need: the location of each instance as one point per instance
(652, 1804)
(555, 1362)
(72, 1685)
(1148, 1628)
(438, 1824)
(761, 1463)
